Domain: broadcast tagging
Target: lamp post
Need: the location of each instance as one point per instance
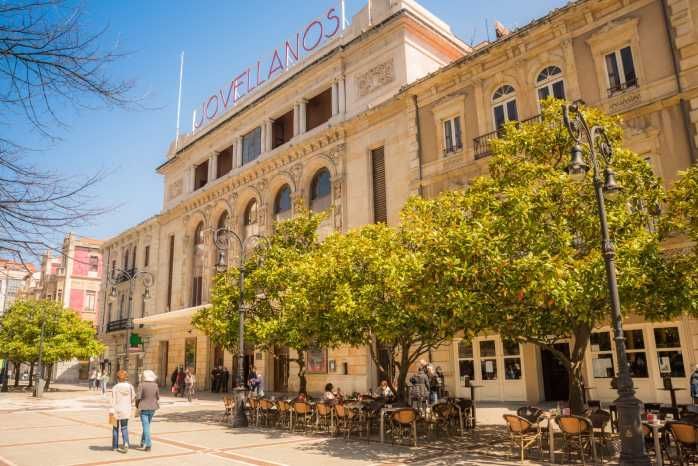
(629, 407)
(223, 238)
(119, 276)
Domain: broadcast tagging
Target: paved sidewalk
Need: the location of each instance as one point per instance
(70, 428)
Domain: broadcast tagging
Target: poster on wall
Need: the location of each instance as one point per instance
(317, 361)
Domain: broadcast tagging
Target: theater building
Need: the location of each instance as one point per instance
(393, 106)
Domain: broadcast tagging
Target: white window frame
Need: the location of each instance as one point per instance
(90, 298)
(549, 82)
(595, 353)
(657, 350)
(483, 359)
(471, 359)
(455, 122)
(621, 70)
(503, 101)
(518, 356)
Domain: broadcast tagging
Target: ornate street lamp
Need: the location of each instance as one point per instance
(131, 276)
(629, 407)
(224, 238)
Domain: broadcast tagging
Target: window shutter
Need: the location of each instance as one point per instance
(380, 212)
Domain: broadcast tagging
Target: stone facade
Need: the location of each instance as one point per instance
(405, 85)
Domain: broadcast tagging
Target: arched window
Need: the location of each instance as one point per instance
(504, 106)
(549, 82)
(282, 203)
(320, 188)
(222, 220)
(198, 265)
(250, 218)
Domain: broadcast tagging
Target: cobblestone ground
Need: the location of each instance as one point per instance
(70, 427)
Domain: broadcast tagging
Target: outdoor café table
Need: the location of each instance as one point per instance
(656, 427)
(472, 398)
(388, 411)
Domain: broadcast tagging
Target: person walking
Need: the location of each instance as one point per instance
(180, 382)
(92, 380)
(226, 379)
(189, 384)
(173, 379)
(147, 403)
(122, 399)
(104, 381)
(694, 385)
(433, 385)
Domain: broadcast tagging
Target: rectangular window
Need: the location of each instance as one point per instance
(201, 175)
(559, 89)
(452, 135)
(669, 354)
(637, 358)
(224, 162)
(488, 360)
(251, 145)
(94, 264)
(113, 268)
(380, 211)
(133, 260)
(512, 360)
(282, 130)
(466, 363)
(146, 257)
(197, 291)
(318, 109)
(90, 301)
(601, 355)
(620, 69)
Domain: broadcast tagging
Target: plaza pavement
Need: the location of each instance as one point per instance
(69, 427)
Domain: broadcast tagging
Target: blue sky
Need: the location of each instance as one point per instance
(219, 39)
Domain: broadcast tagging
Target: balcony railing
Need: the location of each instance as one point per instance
(621, 87)
(482, 143)
(121, 324)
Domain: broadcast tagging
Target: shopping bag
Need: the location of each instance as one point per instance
(112, 420)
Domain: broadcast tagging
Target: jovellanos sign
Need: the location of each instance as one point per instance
(315, 33)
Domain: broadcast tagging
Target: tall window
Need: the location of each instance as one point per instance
(512, 360)
(380, 210)
(488, 360)
(669, 355)
(250, 218)
(320, 188)
(452, 135)
(224, 162)
(94, 264)
(198, 266)
(282, 203)
(251, 145)
(550, 83)
(601, 355)
(466, 362)
(146, 257)
(504, 106)
(637, 357)
(201, 175)
(89, 300)
(620, 69)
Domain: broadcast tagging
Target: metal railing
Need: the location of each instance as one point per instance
(620, 87)
(121, 324)
(482, 144)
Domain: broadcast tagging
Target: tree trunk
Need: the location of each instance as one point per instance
(5, 373)
(303, 383)
(48, 369)
(403, 368)
(576, 398)
(16, 367)
(31, 374)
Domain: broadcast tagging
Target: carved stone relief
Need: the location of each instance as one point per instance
(376, 77)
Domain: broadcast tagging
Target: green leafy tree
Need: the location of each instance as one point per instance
(524, 242)
(66, 335)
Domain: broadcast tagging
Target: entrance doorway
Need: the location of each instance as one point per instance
(555, 377)
(280, 369)
(163, 374)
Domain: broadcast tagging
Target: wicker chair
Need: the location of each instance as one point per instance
(324, 416)
(283, 413)
(686, 436)
(253, 411)
(443, 415)
(229, 406)
(267, 412)
(403, 425)
(302, 415)
(531, 413)
(349, 420)
(578, 433)
(523, 433)
(600, 420)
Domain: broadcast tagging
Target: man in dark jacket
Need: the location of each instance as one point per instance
(226, 379)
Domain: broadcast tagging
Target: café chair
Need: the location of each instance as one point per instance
(523, 433)
(600, 420)
(686, 437)
(530, 413)
(302, 415)
(229, 406)
(324, 416)
(578, 434)
(253, 410)
(267, 411)
(283, 413)
(403, 425)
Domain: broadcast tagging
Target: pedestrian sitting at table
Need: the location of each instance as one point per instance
(385, 392)
(338, 395)
(328, 396)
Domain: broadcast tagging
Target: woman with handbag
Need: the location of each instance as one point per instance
(122, 398)
(147, 403)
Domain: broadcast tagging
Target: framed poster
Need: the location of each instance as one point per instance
(316, 360)
(332, 366)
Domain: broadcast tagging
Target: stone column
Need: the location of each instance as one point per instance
(268, 123)
(302, 115)
(296, 119)
(342, 98)
(212, 167)
(190, 178)
(237, 162)
(335, 96)
(263, 137)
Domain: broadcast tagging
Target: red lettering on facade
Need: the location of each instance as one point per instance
(332, 15)
(305, 35)
(289, 50)
(275, 64)
(258, 75)
(226, 99)
(237, 83)
(208, 107)
(197, 124)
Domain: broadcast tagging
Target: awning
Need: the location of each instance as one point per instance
(178, 318)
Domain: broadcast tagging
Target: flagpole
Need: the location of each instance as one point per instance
(179, 97)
